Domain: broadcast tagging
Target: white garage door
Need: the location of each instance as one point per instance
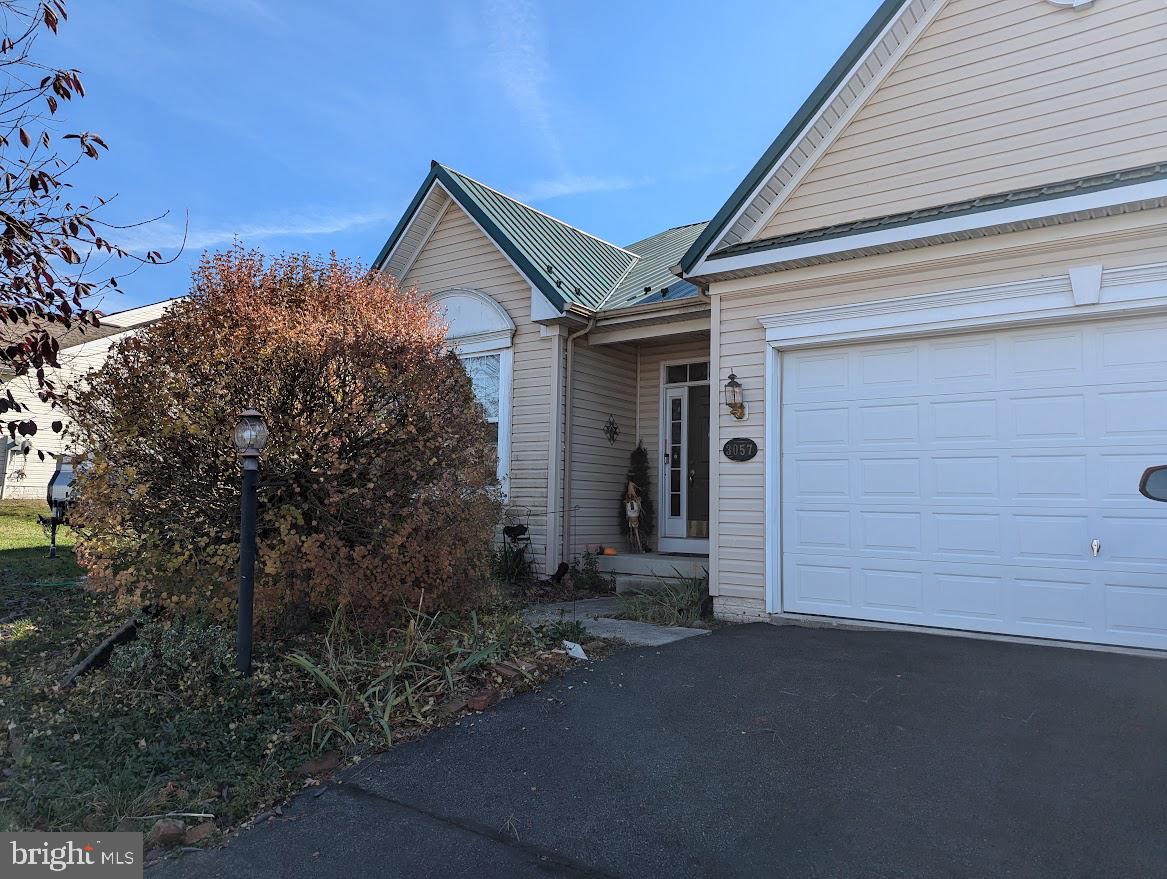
(960, 482)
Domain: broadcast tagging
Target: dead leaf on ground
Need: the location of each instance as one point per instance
(482, 700)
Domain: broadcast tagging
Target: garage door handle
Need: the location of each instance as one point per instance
(1095, 546)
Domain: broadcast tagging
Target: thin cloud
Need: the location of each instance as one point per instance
(569, 184)
(516, 58)
(165, 235)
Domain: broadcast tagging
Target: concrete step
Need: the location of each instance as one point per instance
(637, 583)
(651, 565)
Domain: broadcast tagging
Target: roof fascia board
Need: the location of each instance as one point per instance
(1115, 197)
(654, 311)
(837, 127)
(883, 19)
(399, 230)
(649, 331)
(425, 239)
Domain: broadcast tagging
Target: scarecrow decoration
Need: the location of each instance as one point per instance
(632, 514)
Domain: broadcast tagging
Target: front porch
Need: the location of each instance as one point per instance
(655, 394)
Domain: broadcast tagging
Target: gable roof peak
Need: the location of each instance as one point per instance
(896, 22)
(528, 207)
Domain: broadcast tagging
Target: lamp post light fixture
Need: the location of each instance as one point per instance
(250, 437)
(735, 400)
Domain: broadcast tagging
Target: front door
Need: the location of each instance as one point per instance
(685, 459)
(676, 461)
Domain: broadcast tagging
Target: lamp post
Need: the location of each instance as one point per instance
(250, 437)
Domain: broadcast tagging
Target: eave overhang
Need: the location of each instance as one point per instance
(1074, 201)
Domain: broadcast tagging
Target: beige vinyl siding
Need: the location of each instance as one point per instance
(458, 254)
(996, 96)
(1115, 242)
(27, 476)
(604, 380)
(652, 357)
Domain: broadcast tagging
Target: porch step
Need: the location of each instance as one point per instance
(651, 565)
(635, 583)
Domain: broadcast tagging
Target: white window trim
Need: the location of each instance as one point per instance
(500, 342)
(1124, 292)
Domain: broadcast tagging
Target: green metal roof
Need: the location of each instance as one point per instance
(859, 46)
(568, 265)
(650, 279)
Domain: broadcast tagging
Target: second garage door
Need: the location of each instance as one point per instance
(985, 482)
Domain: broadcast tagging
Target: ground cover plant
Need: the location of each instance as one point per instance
(680, 601)
(169, 727)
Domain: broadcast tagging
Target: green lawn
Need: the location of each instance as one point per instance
(24, 546)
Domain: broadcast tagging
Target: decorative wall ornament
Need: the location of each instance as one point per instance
(611, 430)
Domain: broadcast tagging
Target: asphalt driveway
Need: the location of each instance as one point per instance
(763, 751)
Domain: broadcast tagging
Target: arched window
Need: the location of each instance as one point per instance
(481, 333)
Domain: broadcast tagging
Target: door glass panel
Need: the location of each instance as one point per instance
(678, 373)
(697, 498)
(698, 372)
(676, 425)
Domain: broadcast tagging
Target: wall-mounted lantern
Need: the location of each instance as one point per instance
(735, 400)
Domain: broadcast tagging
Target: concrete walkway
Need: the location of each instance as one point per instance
(596, 616)
(760, 751)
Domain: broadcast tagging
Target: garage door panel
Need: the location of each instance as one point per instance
(1136, 607)
(881, 477)
(963, 421)
(1050, 477)
(895, 531)
(1057, 600)
(968, 600)
(1133, 539)
(1037, 356)
(964, 360)
(1138, 414)
(1116, 472)
(965, 477)
(1126, 351)
(1043, 537)
(896, 424)
(958, 482)
(895, 590)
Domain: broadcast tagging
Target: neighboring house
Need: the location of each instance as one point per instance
(24, 473)
(944, 291)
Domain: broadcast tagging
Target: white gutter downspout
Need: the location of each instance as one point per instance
(569, 386)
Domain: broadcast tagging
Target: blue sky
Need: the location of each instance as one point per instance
(307, 126)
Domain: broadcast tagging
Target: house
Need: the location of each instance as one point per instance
(943, 292)
(28, 462)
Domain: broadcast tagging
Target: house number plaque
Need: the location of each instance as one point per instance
(740, 449)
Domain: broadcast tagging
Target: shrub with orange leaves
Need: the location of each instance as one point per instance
(377, 485)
